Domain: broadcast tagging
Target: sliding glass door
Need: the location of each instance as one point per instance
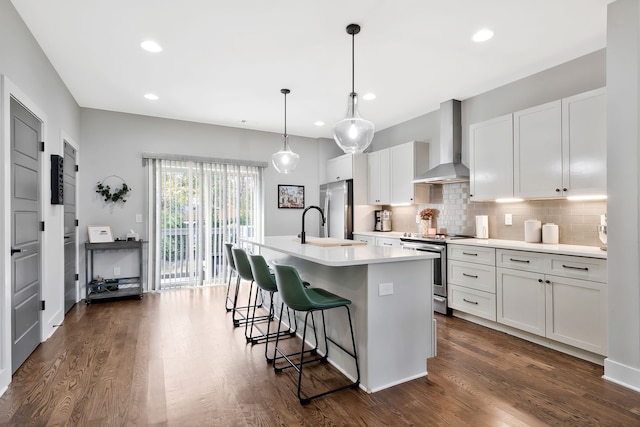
(195, 208)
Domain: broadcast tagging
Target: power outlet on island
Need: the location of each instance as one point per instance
(385, 289)
(116, 271)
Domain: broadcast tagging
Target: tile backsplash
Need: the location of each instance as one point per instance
(577, 221)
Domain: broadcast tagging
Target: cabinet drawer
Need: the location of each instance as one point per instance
(476, 254)
(475, 276)
(387, 241)
(592, 269)
(478, 303)
(526, 261)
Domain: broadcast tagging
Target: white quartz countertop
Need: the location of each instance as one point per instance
(391, 234)
(339, 256)
(576, 250)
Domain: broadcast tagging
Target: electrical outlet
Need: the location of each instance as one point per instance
(138, 217)
(116, 271)
(385, 289)
(508, 219)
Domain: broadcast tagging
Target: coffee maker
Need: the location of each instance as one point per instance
(382, 220)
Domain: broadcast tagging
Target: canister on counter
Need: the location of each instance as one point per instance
(550, 234)
(532, 231)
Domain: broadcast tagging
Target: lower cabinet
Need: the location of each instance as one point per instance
(559, 297)
(565, 309)
(577, 313)
(521, 300)
(388, 241)
(361, 237)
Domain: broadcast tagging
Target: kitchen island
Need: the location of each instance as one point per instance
(391, 293)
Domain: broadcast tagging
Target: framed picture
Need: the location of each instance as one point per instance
(291, 196)
(99, 233)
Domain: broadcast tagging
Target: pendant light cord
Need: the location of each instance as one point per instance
(285, 115)
(353, 64)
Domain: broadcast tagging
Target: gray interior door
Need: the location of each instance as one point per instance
(25, 233)
(69, 197)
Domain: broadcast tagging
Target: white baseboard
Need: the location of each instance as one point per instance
(626, 376)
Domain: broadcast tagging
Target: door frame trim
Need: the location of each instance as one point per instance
(8, 90)
(65, 137)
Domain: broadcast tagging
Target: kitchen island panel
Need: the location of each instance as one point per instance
(394, 334)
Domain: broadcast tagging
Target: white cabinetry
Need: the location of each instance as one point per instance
(584, 146)
(379, 178)
(350, 166)
(471, 278)
(537, 137)
(361, 237)
(406, 161)
(388, 241)
(560, 148)
(340, 168)
(563, 298)
(491, 159)
(553, 150)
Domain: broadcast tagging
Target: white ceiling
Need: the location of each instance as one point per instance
(224, 62)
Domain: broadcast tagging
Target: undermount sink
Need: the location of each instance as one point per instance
(331, 241)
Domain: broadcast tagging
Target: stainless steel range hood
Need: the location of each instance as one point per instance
(450, 168)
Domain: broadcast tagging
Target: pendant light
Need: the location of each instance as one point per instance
(353, 134)
(285, 160)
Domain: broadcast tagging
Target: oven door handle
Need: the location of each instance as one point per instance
(423, 247)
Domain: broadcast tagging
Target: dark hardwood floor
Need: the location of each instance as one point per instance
(174, 359)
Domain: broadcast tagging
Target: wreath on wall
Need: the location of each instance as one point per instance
(118, 194)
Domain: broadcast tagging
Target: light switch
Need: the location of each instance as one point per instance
(138, 217)
(508, 219)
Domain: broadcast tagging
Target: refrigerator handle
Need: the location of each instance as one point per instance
(326, 216)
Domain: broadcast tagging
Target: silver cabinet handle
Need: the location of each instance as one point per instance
(575, 268)
(470, 302)
(469, 275)
(519, 260)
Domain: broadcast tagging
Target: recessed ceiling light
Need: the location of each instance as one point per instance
(151, 46)
(319, 123)
(369, 96)
(482, 35)
(151, 96)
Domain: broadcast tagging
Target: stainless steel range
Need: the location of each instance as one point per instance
(435, 244)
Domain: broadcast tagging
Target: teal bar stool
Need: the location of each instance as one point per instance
(267, 282)
(232, 271)
(243, 268)
(310, 300)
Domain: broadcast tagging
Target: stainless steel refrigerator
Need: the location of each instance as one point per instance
(336, 200)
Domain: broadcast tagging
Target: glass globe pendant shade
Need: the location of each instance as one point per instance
(353, 134)
(285, 160)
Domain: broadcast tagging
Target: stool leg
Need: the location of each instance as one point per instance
(227, 299)
(355, 384)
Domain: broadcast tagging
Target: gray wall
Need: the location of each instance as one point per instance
(113, 144)
(623, 188)
(27, 69)
(573, 77)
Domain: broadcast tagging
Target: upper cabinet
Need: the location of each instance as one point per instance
(379, 191)
(350, 166)
(340, 168)
(491, 159)
(407, 160)
(552, 150)
(537, 149)
(391, 174)
(584, 146)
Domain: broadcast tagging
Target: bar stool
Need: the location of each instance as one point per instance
(310, 300)
(232, 271)
(243, 268)
(267, 282)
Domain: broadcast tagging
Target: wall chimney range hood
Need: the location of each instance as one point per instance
(450, 168)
